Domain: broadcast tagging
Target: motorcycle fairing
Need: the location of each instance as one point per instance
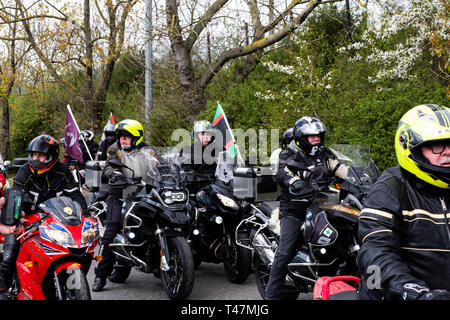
(64, 209)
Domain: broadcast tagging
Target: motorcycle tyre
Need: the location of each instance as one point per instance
(243, 263)
(262, 278)
(67, 283)
(120, 274)
(180, 249)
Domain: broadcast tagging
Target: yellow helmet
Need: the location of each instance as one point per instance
(421, 125)
(130, 128)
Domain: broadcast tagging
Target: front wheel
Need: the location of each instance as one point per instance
(179, 280)
(237, 263)
(74, 285)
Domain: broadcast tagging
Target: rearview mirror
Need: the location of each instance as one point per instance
(115, 163)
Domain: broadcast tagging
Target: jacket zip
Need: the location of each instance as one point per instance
(444, 207)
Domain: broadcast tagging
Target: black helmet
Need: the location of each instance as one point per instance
(309, 126)
(43, 144)
(288, 136)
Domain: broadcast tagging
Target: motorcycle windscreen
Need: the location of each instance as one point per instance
(64, 209)
(324, 233)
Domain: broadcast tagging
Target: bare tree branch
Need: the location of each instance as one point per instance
(203, 22)
(257, 45)
(65, 85)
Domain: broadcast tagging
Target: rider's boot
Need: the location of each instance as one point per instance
(99, 283)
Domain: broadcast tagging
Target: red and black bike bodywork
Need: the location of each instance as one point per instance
(56, 251)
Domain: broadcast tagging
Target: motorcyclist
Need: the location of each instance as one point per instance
(199, 158)
(297, 192)
(132, 151)
(42, 177)
(404, 226)
(110, 137)
(92, 146)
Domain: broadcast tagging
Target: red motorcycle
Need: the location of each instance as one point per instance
(56, 250)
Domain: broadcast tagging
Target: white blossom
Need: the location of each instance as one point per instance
(423, 18)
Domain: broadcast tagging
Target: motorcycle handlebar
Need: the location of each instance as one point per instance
(33, 226)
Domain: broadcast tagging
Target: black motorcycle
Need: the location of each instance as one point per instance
(217, 214)
(330, 244)
(154, 224)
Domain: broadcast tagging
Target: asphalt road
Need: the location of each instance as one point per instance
(210, 284)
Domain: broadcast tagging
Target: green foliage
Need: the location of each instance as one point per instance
(311, 76)
(36, 113)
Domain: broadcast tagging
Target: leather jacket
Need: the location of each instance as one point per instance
(55, 182)
(325, 165)
(405, 235)
(199, 159)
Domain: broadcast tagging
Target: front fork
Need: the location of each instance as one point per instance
(66, 266)
(164, 252)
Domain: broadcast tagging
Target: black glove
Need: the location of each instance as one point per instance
(413, 291)
(312, 173)
(437, 294)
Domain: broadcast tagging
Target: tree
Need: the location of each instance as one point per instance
(8, 73)
(406, 36)
(183, 38)
(71, 42)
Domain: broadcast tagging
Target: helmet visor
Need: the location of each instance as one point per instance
(312, 128)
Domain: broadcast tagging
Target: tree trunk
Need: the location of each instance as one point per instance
(4, 100)
(193, 101)
(88, 83)
(6, 145)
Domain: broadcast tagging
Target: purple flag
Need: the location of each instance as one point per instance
(71, 143)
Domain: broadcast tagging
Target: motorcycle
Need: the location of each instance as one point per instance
(330, 244)
(155, 222)
(218, 212)
(56, 249)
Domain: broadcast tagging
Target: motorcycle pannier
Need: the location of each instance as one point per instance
(255, 184)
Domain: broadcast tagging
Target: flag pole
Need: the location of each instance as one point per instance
(78, 129)
(231, 131)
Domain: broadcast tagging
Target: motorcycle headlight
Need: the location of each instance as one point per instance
(57, 236)
(171, 197)
(90, 235)
(228, 202)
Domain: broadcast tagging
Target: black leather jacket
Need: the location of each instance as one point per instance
(405, 236)
(55, 182)
(326, 167)
(197, 163)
